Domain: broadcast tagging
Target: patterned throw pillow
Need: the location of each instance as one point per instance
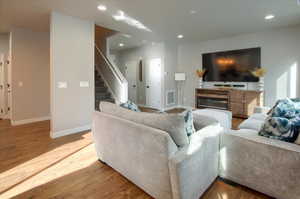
(285, 108)
(130, 106)
(283, 122)
(188, 122)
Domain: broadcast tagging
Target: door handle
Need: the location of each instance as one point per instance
(134, 86)
(147, 86)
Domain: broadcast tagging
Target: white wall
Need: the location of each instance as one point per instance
(72, 61)
(280, 56)
(30, 75)
(171, 63)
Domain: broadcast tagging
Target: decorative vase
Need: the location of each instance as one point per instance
(200, 82)
(261, 84)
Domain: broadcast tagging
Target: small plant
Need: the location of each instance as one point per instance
(259, 72)
(200, 72)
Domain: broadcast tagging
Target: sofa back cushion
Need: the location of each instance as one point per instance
(173, 124)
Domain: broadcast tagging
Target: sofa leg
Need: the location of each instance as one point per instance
(102, 162)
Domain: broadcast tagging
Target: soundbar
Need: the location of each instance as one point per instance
(230, 85)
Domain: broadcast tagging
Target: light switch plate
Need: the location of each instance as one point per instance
(62, 85)
(84, 84)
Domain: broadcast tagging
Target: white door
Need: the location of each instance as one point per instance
(153, 83)
(131, 76)
(3, 96)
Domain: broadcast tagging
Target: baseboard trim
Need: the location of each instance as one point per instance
(70, 131)
(28, 121)
(174, 107)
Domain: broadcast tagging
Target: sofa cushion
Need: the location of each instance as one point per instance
(259, 116)
(130, 106)
(173, 124)
(252, 123)
(201, 121)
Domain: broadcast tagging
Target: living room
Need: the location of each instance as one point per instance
(150, 99)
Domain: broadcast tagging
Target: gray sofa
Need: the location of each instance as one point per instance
(266, 165)
(168, 166)
(149, 156)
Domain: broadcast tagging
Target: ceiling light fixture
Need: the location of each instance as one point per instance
(123, 17)
(180, 36)
(120, 16)
(268, 17)
(192, 12)
(102, 8)
(121, 44)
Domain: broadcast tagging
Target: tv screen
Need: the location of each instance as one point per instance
(231, 66)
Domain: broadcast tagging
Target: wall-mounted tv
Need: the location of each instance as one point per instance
(231, 66)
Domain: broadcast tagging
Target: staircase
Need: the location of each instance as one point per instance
(101, 91)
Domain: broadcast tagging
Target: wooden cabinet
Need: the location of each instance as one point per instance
(240, 102)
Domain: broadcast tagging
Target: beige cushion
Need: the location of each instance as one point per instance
(170, 123)
(201, 121)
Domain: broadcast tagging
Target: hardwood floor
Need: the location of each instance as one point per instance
(32, 165)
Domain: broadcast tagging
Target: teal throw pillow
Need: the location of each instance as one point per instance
(130, 106)
(188, 122)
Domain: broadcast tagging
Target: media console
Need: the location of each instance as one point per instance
(240, 102)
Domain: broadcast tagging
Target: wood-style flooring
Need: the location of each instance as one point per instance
(32, 165)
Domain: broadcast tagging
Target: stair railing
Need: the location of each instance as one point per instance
(112, 76)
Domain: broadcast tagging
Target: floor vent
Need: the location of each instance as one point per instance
(171, 97)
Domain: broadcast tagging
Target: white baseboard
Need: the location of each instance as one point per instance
(186, 107)
(178, 106)
(27, 121)
(70, 131)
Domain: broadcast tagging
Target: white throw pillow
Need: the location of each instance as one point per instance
(252, 124)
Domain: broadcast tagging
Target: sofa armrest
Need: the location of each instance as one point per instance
(194, 167)
(138, 152)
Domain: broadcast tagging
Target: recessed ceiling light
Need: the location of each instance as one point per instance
(121, 44)
(180, 36)
(193, 12)
(268, 17)
(102, 8)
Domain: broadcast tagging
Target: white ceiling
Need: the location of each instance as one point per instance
(166, 18)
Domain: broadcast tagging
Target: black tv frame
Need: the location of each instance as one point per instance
(231, 52)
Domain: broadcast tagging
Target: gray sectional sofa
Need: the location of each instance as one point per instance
(263, 164)
(146, 148)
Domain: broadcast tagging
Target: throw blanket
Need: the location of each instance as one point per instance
(283, 121)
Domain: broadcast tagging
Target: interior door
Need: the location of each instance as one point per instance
(153, 83)
(131, 76)
(3, 96)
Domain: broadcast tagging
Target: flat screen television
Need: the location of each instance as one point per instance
(231, 66)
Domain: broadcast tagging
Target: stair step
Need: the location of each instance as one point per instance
(100, 89)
